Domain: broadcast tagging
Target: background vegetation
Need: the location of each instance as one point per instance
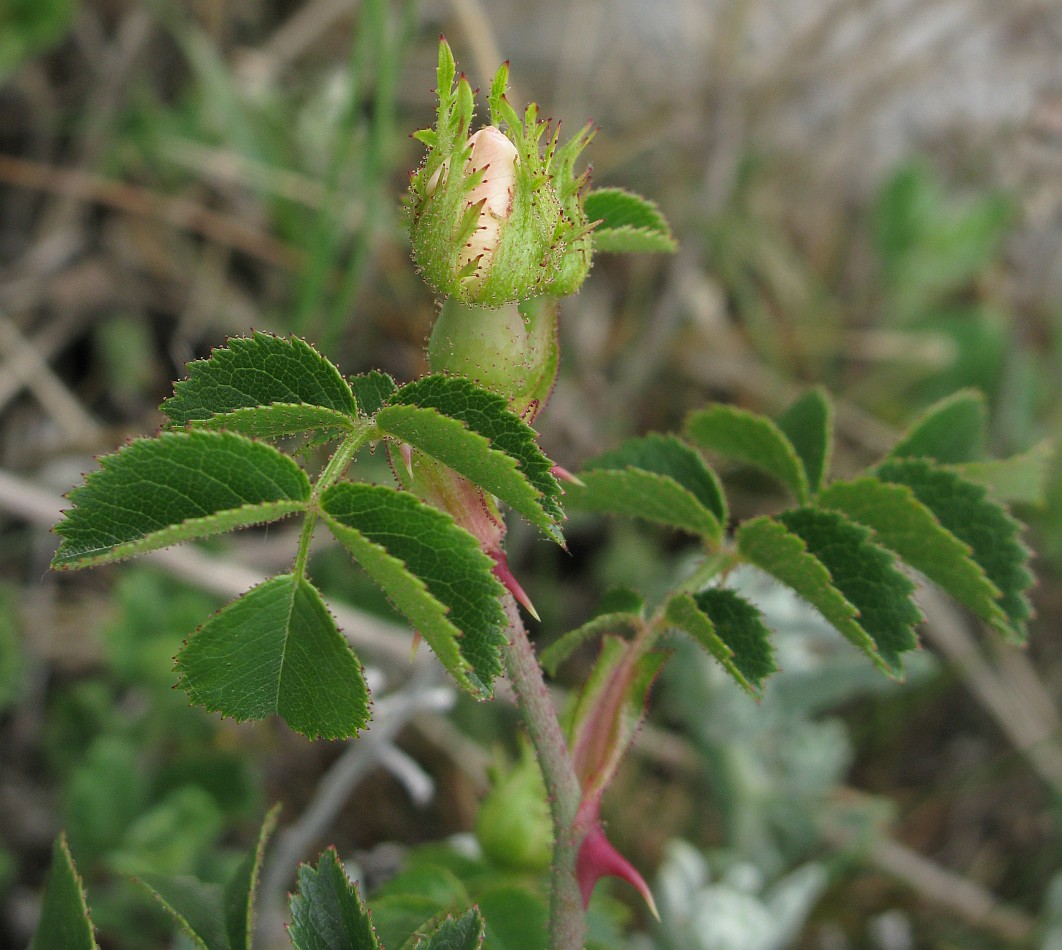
(867, 196)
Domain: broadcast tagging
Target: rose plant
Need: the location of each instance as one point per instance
(502, 226)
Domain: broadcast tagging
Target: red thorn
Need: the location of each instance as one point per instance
(407, 457)
(417, 638)
(502, 572)
(598, 858)
(559, 471)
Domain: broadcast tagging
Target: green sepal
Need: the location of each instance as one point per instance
(730, 629)
(432, 570)
(750, 438)
(180, 486)
(276, 650)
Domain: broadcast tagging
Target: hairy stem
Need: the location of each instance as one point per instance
(567, 921)
(331, 473)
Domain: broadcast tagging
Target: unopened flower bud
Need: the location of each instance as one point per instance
(495, 157)
(496, 216)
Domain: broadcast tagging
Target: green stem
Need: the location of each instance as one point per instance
(567, 923)
(330, 474)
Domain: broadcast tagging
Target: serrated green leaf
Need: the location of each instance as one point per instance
(773, 548)
(952, 430)
(906, 526)
(669, 456)
(965, 510)
(516, 919)
(468, 453)
(866, 575)
(372, 390)
(1020, 479)
(281, 419)
(628, 224)
(808, 424)
(730, 629)
(752, 439)
(65, 923)
(277, 650)
(258, 371)
(241, 888)
(327, 913)
(463, 933)
(177, 487)
(639, 494)
(433, 570)
(195, 906)
(655, 477)
(619, 607)
(556, 653)
(488, 415)
(402, 919)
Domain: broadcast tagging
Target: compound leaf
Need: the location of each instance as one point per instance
(752, 439)
(808, 424)
(327, 913)
(486, 414)
(730, 629)
(258, 370)
(952, 430)
(277, 650)
(177, 487)
(433, 571)
(993, 536)
(628, 223)
(65, 923)
(906, 526)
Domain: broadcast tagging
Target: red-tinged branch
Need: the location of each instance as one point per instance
(567, 920)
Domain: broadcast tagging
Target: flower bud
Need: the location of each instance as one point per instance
(496, 217)
(513, 825)
(493, 157)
